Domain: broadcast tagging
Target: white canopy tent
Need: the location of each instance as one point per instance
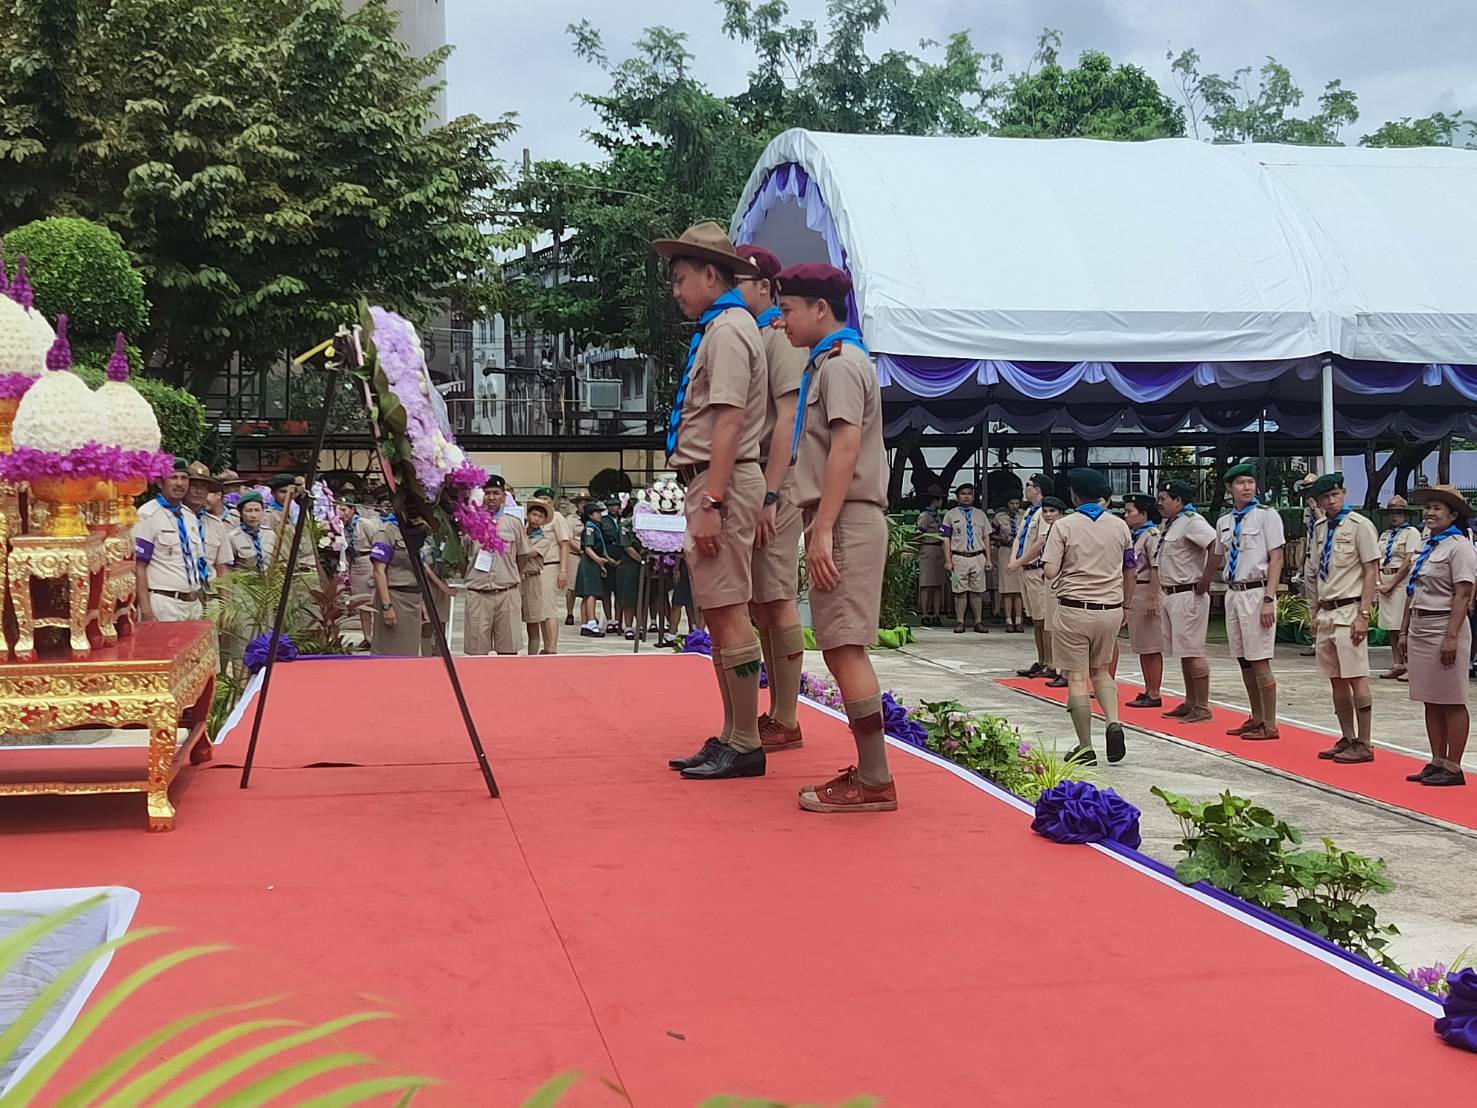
(1155, 268)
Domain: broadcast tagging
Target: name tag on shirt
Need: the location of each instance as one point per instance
(483, 564)
(517, 511)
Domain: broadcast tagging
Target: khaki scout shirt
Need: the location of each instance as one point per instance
(1355, 543)
(1091, 555)
(504, 572)
(245, 549)
(390, 551)
(730, 371)
(1407, 543)
(956, 526)
(1451, 562)
(1146, 552)
(156, 542)
(1261, 533)
(219, 551)
(843, 386)
(1035, 531)
(1182, 554)
(786, 365)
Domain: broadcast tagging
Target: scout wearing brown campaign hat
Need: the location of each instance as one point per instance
(1449, 495)
(776, 557)
(717, 460)
(1399, 545)
(200, 473)
(1035, 596)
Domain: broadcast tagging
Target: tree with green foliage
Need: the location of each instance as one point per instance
(80, 269)
(1436, 129)
(1094, 99)
(1234, 111)
(264, 162)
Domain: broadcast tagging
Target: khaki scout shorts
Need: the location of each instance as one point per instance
(1245, 634)
(1186, 618)
(848, 614)
(776, 566)
(1082, 640)
(494, 622)
(1333, 643)
(726, 578)
(969, 572)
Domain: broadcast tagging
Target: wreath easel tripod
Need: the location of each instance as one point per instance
(347, 342)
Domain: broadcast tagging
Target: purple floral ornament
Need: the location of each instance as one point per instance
(1458, 1027)
(254, 657)
(1079, 812)
(900, 725)
(698, 642)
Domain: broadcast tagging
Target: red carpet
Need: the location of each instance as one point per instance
(685, 938)
(1296, 752)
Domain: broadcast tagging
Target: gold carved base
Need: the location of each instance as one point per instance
(79, 563)
(116, 613)
(163, 673)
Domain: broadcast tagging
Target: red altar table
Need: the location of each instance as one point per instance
(163, 673)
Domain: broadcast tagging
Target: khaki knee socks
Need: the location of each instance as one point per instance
(1267, 684)
(722, 677)
(787, 645)
(1363, 715)
(865, 717)
(741, 674)
(1079, 707)
(1106, 689)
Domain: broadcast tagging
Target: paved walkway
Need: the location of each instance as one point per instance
(1433, 865)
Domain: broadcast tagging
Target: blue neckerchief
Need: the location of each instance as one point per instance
(1143, 527)
(846, 336)
(255, 535)
(1015, 525)
(1020, 546)
(349, 535)
(1326, 557)
(390, 517)
(593, 528)
(1390, 542)
(968, 526)
(536, 533)
(192, 565)
(202, 563)
(1239, 514)
(1431, 544)
(767, 317)
(1092, 510)
(730, 299)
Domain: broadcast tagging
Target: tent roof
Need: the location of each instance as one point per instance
(1165, 251)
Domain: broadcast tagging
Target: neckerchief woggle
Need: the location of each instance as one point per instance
(1239, 516)
(1390, 542)
(1020, 546)
(1450, 533)
(730, 299)
(1326, 558)
(846, 336)
(196, 572)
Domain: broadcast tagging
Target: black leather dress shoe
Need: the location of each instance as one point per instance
(700, 757)
(1034, 671)
(727, 762)
(1116, 747)
(1082, 755)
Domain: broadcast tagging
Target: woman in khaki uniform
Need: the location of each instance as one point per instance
(1400, 545)
(397, 620)
(1005, 535)
(1145, 627)
(537, 597)
(1437, 635)
(933, 579)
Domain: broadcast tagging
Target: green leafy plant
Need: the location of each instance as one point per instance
(242, 1048)
(1043, 769)
(1238, 846)
(80, 269)
(986, 744)
(899, 576)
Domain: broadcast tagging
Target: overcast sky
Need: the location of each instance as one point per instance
(1408, 58)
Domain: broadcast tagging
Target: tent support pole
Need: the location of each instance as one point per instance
(1326, 410)
(982, 496)
(1261, 449)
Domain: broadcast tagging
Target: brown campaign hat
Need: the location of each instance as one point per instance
(230, 478)
(705, 242)
(1449, 495)
(543, 503)
(200, 472)
(1397, 503)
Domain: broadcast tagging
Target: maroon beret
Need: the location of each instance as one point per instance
(765, 261)
(813, 279)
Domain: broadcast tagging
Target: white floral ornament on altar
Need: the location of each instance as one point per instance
(131, 421)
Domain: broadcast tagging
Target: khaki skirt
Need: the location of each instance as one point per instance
(1145, 635)
(404, 639)
(931, 573)
(1430, 681)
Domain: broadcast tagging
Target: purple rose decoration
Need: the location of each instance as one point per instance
(897, 723)
(1459, 1026)
(255, 655)
(698, 642)
(1078, 812)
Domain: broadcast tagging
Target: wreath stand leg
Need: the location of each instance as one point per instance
(414, 540)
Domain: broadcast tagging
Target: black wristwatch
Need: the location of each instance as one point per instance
(771, 498)
(1266, 599)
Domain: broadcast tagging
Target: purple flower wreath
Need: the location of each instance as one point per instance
(1458, 1027)
(1078, 812)
(254, 657)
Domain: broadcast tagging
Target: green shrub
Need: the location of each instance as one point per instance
(181, 417)
(81, 269)
(1237, 846)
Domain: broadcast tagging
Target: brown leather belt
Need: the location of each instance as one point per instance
(686, 475)
(187, 597)
(1170, 590)
(1429, 612)
(1068, 602)
(1341, 602)
(969, 553)
(1246, 586)
(494, 592)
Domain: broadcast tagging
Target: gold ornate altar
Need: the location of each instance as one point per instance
(80, 563)
(161, 677)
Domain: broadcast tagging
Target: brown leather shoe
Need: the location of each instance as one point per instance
(1336, 749)
(849, 793)
(1178, 713)
(1247, 725)
(1261, 733)
(774, 736)
(1197, 715)
(958, 628)
(1354, 753)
